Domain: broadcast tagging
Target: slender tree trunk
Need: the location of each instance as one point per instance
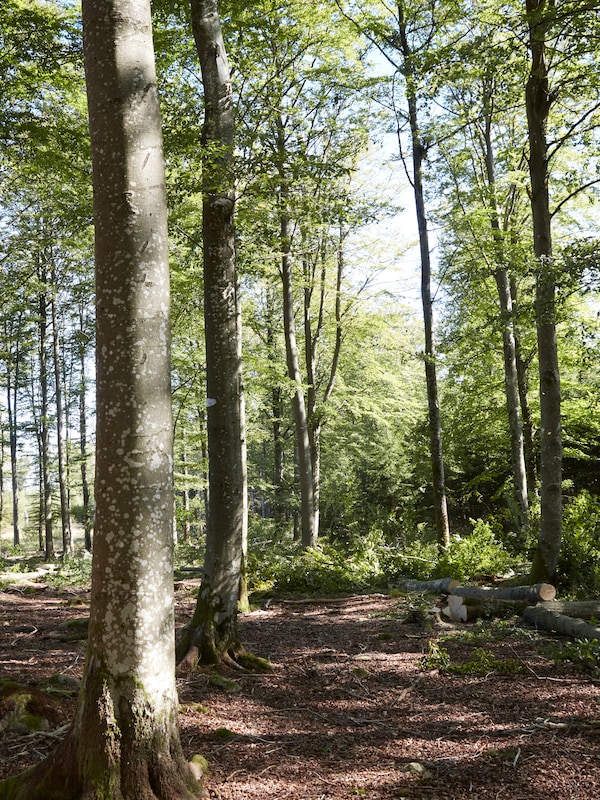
(311, 342)
(303, 454)
(186, 527)
(305, 467)
(11, 408)
(212, 634)
(40, 493)
(526, 414)
(513, 406)
(278, 505)
(83, 454)
(511, 382)
(435, 424)
(538, 102)
(312, 337)
(2, 454)
(44, 420)
(244, 600)
(65, 514)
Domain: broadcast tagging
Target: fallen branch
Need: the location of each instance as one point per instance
(552, 621)
(331, 601)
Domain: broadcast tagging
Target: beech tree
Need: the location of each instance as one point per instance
(480, 158)
(404, 35)
(302, 122)
(555, 32)
(212, 636)
(124, 741)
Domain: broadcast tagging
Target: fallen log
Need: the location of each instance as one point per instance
(532, 594)
(586, 609)
(443, 585)
(552, 621)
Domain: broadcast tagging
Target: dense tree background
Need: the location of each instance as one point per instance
(322, 137)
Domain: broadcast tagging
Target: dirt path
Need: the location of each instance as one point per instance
(348, 710)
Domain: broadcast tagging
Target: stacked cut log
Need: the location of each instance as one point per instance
(536, 603)
(555, 622)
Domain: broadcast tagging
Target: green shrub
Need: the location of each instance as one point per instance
(582, 653)
(276, 563)
(73, 570)
(479, 553)
(480, 662)
(579, 558)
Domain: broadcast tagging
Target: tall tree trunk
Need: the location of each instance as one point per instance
(279, 507)
(212, 634)
(124, 742)
(186, 527)
(2, 454)
(538, 103)
(11, 408)
(244, 600)
(65, 513)
(511, 381)
(435, 424)
(83, 454)
(44, 412)
(303, 451)
(523, 365)
(309, 532)
(312, 336)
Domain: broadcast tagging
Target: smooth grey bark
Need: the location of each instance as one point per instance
(12, 380)
(46, 506)
(511, 381)
(303, 449)
(212, 634)
(83, 454)
(312, 337)
(279, 508)
(124, 741)
(435, 423)
(538, 103)
(65, 513)
(309, 531)
(523, 364)
(2, 453)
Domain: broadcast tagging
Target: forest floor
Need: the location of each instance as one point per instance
(348, 710)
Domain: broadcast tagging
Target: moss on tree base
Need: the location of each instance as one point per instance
(68, 775)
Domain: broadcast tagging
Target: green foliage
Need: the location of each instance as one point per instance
(481, 662)
(488, 631)
(412, 556)
(281, 565)
(189, 554)
(582, 653)
(579, 560)
(437, 657)
(479, 553)
(73, 570)
(324, 569)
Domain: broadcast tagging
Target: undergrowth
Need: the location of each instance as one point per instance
(584, 654)
(480, 662)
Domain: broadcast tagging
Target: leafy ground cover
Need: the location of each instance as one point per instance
(359, 702)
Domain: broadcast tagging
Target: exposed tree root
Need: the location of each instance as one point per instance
(202, 646)
(70, 773)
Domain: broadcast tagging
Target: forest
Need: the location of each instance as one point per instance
(300, 299)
